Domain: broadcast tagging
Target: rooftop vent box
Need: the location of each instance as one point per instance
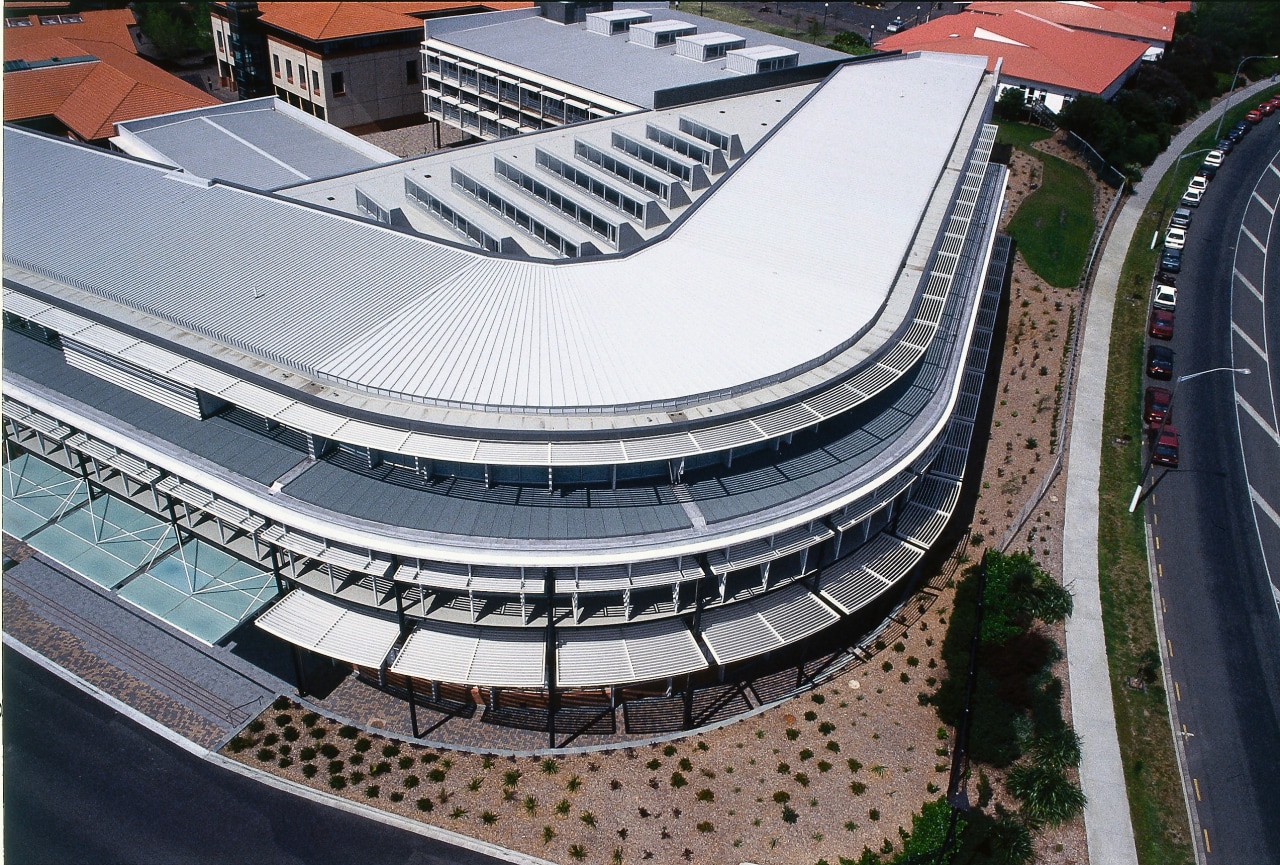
(705, 47)
(613, 23)
(659, 34)
(761, 58)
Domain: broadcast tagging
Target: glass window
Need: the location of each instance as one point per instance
(411, 72)
(220, 47)
(275, 60)
(288, 69)
(338, 84)
(315, 80)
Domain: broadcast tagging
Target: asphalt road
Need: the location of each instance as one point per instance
(1220, 615)
(83, 783)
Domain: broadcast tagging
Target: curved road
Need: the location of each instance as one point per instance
(1218, 606)
(84, 784)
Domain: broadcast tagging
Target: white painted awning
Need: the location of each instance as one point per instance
(330, 629)
(463, 654)
(645, 652)
(750, 628)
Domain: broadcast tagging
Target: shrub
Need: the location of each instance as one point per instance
(406, 762)
(436, 776)
(410, 781)
(457, 813)
(793, 733)
(238, 744)
(678, 780)
(317, 733)
(429, 757)
(685, 765)
(1046, 795)
(284, 762)
(310, 719)
(653, 765)
(706, 826)
(669, 750)
(818, 698)
(784, 768)
(347, 731)
(833, 746)
(547, 834)
(309, 770)
(705, 795)
(256, 726)
(857, 788)
(588, 818)
(874, 814)
(396, 796)
(363, 744)
(356, 759)
(805, 754)
(391, 750)
(270, 739)
(372, 791)
(283, 720)
(549, 766)
(290, 733)
(474, 784)
(854, 765)
(577, 852)
(511, 777)
(337, 782)
(281, 703)
(789, 814)
(811, 716)
(336, 766)
(886, 666)
(782, 797)
(561, 807)
(425, 805)
(1057, 749)
(266, 755)
(824, 766)
(913, 661)
(802, 779)
(329, 750)
(826, 728)
(488, 818)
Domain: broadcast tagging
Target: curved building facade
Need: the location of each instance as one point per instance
(614, 405)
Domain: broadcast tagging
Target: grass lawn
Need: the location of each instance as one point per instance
(734, 13)
(1054, 225)
(1021, 135)
(1142, 719)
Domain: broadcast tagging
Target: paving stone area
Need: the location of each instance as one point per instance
(415, 140)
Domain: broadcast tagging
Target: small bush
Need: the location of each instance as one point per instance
(549, 766)
(336, 766)
(547, 834)
(886, 666)
(793, 733)
(913, 661)
(457, 813)
(318, 733)
(784, 768)
(436, 776)
(588, 818)
(561, 808)
(529, 804)
(329, 750)
(290, 733)
(511, 777)
(310, 719)
(669, 751)
(802, 779)
(854, 765)
(653, 765)
(410, 781)
(425, 805)
(256, 726)
(874, 814)
(805, 754)
(789, 814)
(904, 677)
(857, 788)
(811, 716)
(488, 818)
(574, 784)
(685, 765)
(429, 757)
(309, 770)
(818, 698)
(899, 647)
(391, 750)
(283, 720)
(577, 852)
(281, 703)
(706, 826)
(474, 784)
(372, 791)
(356, 759)
(405, 762)
(826, 728)
(833, 746)
(705, 795)
(363, 744)
(284, 762)
(396, 796)
(347, 731)
(238, 744)
(270, 739)
(824, 766)
(782, 797)
(678, 780)
(337, 782)
(266, 755)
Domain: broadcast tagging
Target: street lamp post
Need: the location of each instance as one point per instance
(826, 7)
(917, 16)
(1137, 494)
(872, 38)
(1217, 136)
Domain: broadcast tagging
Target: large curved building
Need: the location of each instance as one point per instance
(610, 405)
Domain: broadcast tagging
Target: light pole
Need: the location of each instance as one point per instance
(872, 38)
(826, 7)
(1137, 494)
(1217, 136)
(917, 16)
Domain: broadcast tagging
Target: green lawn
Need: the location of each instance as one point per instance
(1021, 135)
(1142, 719)
(1054, 224)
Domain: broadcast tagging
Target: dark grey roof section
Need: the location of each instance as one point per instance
(605, 64)
(261, 143)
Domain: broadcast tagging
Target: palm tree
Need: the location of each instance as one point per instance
(1048, 797)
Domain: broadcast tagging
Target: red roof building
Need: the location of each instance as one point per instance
(79, 75)
(1151, 23)
(1053, 63)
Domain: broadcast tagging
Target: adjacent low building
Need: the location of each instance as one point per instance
(1150, 23)
(1052, 63)
(600, 412)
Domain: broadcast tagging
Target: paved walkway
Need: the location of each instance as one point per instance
(1107, 823)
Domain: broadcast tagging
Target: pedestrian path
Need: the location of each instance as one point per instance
(1107, 821)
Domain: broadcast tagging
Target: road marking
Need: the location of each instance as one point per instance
(1163, 608)
(1207, 848)
(1248, 340)
(1157, 540)
(1249, 234)
(1249, 410)
(1160, 571)
(1264, 505)
(1155, 519)
(1196, 783)
(1249, 285)
(1264, 203)
(1177, 691)
(1272, 166)
(1170, 644)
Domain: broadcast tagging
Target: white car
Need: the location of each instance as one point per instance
(1199, 182)
(1214, 158)
(1175, 238)
(1166, 297)
(1191, 198)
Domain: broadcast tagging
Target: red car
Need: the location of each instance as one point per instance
(1274, 101)
(1254, 116)
(1266, 108)
(1155, 405)
(1165, 453)
(1161, 324)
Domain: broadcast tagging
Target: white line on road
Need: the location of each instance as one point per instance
(1249, 410)
(1264, 505)
(1253, 345)
(1270, 208)
(1249, 234)
(1272, 166)
(1249, 285)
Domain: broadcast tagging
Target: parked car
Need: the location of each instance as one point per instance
(1191, 198)
(1160, 362)
(1214, 158)
(1242, 127)
(1266, 108)
(1166, 298)
(1275, 101)
(1171, 260)
(1163, 278)
(1165, 452)
(1175, 238)
(1156, 405)
(1200, 182)
(1225, 146)
(1161, 323)
(1181, 218)
(1254, 116)
(894, 26)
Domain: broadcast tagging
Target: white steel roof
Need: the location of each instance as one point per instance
(788, 259)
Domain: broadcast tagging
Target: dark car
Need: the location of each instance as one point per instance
(1266, 108)
(1242, 127)
(1171, 260)
(1163, 278)
(1160, 362)
(1161, 324)
(1226, 145)
(1155, 406)
(1165, 452)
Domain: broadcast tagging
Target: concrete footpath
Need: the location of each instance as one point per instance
(1107, 822)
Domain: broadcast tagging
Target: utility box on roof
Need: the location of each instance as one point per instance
(619, 21)
(659, 34)
(761, 58)
(705, 47)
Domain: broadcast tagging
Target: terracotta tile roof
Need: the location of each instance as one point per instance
(321, 21)
(89, 98)
(1033, 49)
(1150, 21)
(110, 25)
